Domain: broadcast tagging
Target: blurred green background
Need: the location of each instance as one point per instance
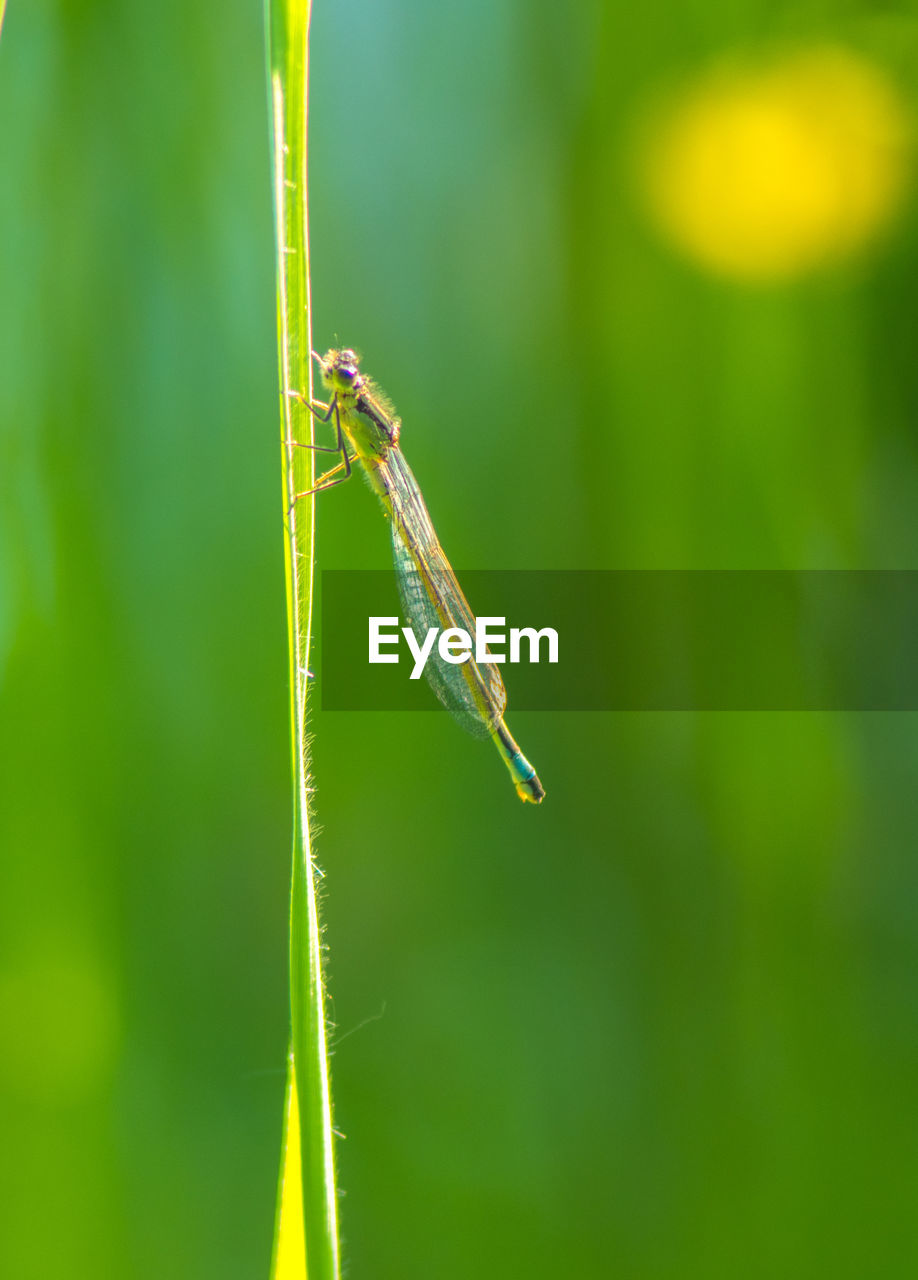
(666, 1025)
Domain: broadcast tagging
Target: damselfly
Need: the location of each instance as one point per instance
(365, 421)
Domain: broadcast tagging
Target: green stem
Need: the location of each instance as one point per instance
(306, 1224)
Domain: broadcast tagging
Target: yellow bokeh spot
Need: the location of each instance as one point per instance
(59, 1026)
(764, 172)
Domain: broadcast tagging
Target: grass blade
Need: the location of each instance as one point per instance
(306, 1236)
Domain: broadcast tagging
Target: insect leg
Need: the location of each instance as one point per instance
(325, 481)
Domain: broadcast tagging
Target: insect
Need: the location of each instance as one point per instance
(366, 423)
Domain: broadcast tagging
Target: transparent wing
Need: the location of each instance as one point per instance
(431, 597)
